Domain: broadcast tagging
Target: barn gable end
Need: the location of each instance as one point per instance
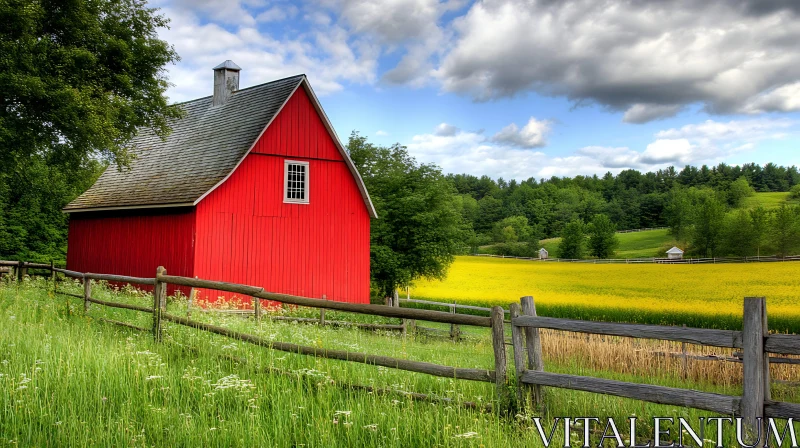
(298, 131)
(247, 234)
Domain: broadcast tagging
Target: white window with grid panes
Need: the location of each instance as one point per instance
(295, 182)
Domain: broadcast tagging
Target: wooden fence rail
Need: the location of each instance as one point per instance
(375, 310)
(754, 340)
(452, 306)
(385, 361)
(496, 375)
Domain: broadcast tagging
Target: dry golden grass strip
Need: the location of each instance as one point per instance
(652, 358)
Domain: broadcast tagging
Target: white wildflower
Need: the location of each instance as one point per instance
(466, 435)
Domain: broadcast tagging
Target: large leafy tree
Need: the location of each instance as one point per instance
(759, 220)
(709, 223)
(738, 191)
(785, 230)
(419, 228)
(77, 79)
(573, 240)
(678, 212)
(603, 239)
(740, 234)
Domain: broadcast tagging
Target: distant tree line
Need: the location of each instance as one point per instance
(694, 202)
(708, 227)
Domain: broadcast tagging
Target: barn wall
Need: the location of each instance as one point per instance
(246, 234)
(133, 243)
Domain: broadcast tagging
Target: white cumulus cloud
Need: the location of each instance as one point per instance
(460, 151)
(532, 135)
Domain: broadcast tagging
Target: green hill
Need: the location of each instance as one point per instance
(648, 243)
(768, 200)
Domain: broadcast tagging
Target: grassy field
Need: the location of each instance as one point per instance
(768, 200)
(646, 244)
(697, 295)
(68, 379)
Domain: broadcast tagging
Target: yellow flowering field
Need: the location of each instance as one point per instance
(708, 295)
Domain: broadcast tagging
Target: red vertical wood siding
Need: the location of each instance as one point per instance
(133, 242)
(247, 234)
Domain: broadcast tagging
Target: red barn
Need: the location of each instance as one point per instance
(252, 186)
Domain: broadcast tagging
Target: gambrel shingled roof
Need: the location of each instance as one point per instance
(204, 148)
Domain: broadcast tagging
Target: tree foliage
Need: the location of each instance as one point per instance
(785, 231)
(603, 239)
(738, 191)
(759, 227)
(419, 228)
(78, 77)
(573, 240)
(709, 216)
(32, 225)
(740, 238)
(630, 199)
(517, 238)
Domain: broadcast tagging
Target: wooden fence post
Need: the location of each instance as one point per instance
(684, 363)
(52, 275)
(322, 312)
(163, 295)
(159, 290)
(192, 294)
(519, 355)
(499, 346)
(755, 362)
(455, 329)
(767, 381)
(19, 271)
(257, 308)
(533, 343)
(396, 303)
(87, 293)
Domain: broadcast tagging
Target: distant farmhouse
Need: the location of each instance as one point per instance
(252, 186)
(674, 254)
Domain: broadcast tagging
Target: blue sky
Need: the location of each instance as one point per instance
(521, 88)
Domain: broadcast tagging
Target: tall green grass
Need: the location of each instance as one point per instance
(769, 201)
(67, 379)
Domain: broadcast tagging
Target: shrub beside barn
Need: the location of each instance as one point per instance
(252, 186)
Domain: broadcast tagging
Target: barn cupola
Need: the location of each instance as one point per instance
(226, 81)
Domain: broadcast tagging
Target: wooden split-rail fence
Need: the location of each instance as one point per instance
(753, 340)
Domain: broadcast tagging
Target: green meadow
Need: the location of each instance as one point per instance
(70, 379)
